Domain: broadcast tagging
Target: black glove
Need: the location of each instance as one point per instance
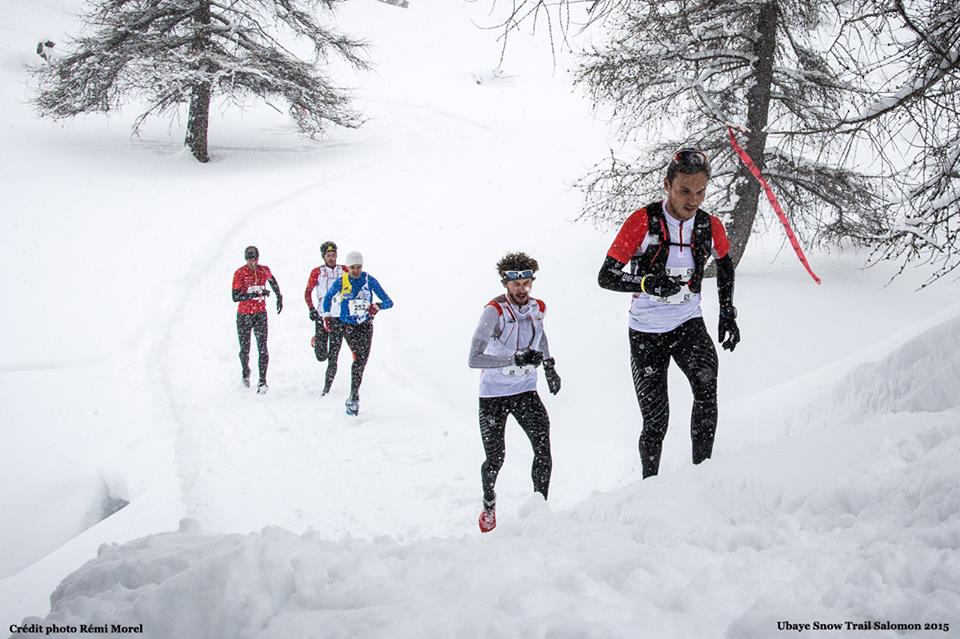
(553, 379)
(660, 285)
(314, 315)
(728, 332)
(528, 358)
(279, 303)
(264, 292)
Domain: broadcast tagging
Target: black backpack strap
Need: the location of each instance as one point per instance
(702, 246)
(656, 225)
(654, 258)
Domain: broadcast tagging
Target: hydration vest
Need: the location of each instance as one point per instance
(513, 333)
(507, 335)
(654, 258)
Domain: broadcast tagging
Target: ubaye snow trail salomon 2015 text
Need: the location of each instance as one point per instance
(864, 625)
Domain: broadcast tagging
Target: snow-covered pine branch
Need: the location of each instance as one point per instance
(703, 63)
(918, 92)
(169, 53)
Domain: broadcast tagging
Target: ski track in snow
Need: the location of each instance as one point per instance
(51, 365)
(315, 450)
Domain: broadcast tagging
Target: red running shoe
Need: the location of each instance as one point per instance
(488, 520)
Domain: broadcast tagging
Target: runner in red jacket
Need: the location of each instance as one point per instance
(326, 344)
(667, 245)
(250, 290)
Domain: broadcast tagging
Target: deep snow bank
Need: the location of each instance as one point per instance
(857, 522)
(923, 375)
(914, 370)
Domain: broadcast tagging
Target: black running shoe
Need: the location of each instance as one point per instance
(353, 406)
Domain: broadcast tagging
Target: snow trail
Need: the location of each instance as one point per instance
(367, 527)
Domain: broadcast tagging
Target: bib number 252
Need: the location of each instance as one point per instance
(358, 307)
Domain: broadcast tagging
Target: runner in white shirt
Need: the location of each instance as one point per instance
(326, 345)
(667, 245)
(508, 346)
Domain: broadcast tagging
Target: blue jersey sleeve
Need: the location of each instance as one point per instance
(385, 301)
(331, 292)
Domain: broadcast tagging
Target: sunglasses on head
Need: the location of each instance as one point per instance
(513, 276)
(691, 157)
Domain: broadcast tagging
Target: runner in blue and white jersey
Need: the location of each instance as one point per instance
(357, 308)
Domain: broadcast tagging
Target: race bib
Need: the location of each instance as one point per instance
(517, 371)
(685, 295)
(358, 308)
(680, 298)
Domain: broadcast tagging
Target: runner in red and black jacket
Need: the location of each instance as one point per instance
(667, 245)
(250, 290)
(326, 344)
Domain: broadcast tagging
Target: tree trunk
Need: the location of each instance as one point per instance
(198, 119)
(758, 107)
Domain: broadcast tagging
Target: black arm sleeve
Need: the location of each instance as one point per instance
(725, 277)
(613, 278)
(240, 296)
(273, 284)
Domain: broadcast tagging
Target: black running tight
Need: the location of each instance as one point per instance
(692, 349)
(359, 338)
(326, 346)
(257, 322)
(530, 413)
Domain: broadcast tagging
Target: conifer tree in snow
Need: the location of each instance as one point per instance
(911, 116)
(167, 53)
(696, 65)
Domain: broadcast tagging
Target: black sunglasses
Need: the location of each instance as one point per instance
(252, 256)
(513, 276)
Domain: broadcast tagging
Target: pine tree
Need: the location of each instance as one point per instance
(166, 53)
(821, 85)
(695, 66)
(709, 63)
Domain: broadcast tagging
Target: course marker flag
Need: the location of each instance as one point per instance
(773, 202)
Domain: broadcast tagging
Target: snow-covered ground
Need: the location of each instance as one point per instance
(832, 496)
